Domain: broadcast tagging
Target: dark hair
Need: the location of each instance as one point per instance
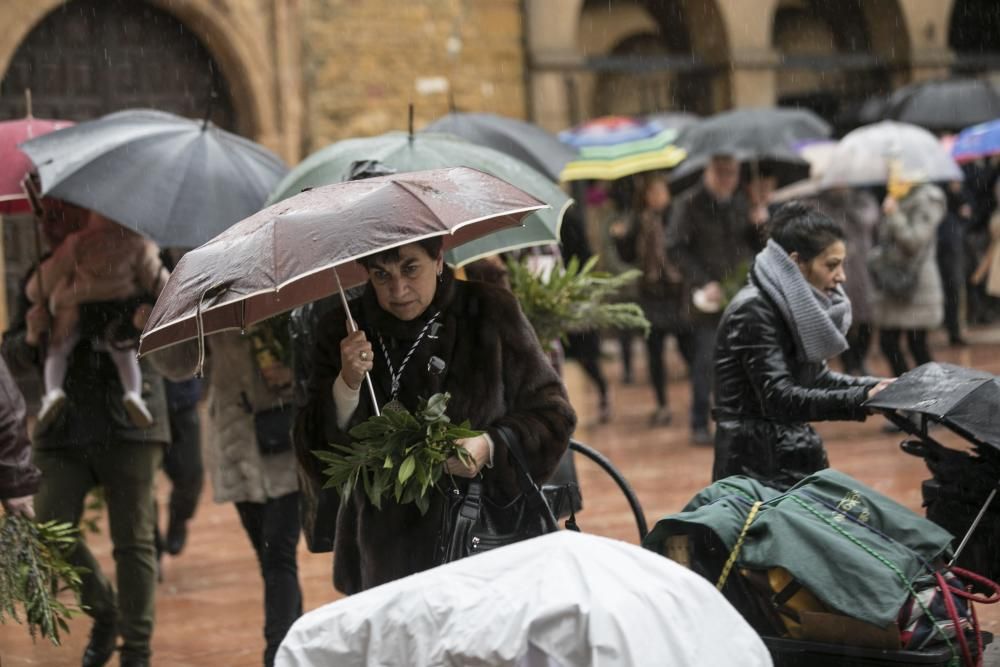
(432, 246)
(804, 229)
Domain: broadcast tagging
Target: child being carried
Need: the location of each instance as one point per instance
(101, 262)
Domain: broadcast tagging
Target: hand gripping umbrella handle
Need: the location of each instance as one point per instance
(354, 327)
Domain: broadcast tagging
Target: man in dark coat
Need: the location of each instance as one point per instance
(709, 236)
(94, 443)
(18, 477)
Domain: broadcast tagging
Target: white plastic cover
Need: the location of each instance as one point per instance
(562, 600)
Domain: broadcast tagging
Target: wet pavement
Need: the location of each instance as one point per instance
(209, 609)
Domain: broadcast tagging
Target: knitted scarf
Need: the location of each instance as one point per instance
(817, 320)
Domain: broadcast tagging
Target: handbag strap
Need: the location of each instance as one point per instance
(525, 481)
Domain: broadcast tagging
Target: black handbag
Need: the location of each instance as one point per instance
(473, 523)
(274, 429)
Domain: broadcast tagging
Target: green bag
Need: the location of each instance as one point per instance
(858, 551)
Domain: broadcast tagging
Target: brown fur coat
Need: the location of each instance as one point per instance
(497, 375)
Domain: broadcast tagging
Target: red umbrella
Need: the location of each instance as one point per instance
(299, 249)
(14, 164)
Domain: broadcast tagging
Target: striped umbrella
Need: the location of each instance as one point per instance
(617, 146)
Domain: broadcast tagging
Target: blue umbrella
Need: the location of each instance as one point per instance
(175, 180)
(978, 141)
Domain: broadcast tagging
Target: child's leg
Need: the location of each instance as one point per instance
(57, 359)
(128, 369)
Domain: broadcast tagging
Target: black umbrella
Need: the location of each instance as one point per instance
(528, 143)
(175, 180)
(766, 137)
(965, 400)
(950, 104)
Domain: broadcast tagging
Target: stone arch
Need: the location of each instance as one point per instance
(836, 55)
(660, 32)
(224, 34)
(973, 34)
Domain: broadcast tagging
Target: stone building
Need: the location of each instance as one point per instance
(299, 74)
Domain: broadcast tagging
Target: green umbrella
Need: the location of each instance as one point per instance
(427, 150)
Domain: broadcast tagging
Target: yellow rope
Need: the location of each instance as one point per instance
(736, 547)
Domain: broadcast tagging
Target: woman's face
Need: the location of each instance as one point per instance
(826, 271)
(405, 288)
(657, 196)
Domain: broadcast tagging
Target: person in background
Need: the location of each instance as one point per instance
(912, 214)
(19, 478)
(661, 288)
(101, 262)
(248, 422)
(610, 231)
(951, 257)
(94, 442)
(709, 236)
(182, 462)
(771, 355)
(584, 347)
(857, 213)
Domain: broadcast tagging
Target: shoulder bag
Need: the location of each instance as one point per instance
(473, 523)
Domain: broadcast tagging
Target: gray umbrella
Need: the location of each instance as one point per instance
(863, 157)
(951, 104)
(767, 137)
(526, 142)
(175, 180)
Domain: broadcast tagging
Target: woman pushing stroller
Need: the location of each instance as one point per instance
(771, 375)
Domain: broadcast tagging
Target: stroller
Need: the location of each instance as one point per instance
(963, 485)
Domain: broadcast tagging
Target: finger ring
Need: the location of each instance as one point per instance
(364, 356)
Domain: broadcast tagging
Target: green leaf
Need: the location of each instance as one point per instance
(406, 469)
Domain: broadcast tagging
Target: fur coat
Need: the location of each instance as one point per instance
(497, 375)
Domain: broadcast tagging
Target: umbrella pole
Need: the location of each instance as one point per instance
(36, 214)
(972, 528)
(354, 327)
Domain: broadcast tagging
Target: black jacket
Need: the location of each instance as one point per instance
(18, 477)
(765, 395)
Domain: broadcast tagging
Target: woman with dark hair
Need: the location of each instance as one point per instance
(421, 332)
(771, 352)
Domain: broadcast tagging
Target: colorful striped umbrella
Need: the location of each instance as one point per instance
(616, 146)
(609, 131)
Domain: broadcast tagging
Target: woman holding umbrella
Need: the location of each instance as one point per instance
(421, 332)
(774, 340)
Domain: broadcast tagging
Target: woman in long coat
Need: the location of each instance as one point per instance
(910, 227)
(430, 333)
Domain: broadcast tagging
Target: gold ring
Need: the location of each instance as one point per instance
(364, 356)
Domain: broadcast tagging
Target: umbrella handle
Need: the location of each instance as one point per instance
(199, 370)
(354, 327)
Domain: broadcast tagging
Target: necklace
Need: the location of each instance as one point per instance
(396, 375)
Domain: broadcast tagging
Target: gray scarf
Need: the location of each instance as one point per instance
(818, 321)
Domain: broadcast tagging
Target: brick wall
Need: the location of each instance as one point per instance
(364, 61)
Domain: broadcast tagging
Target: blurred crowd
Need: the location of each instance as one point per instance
(694, 245)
